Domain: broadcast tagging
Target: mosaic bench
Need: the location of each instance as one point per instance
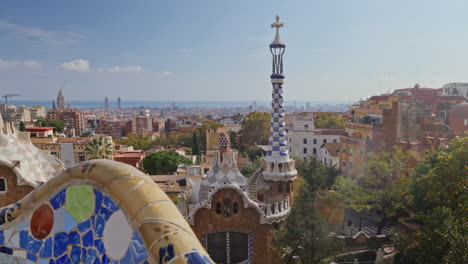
(100, 211)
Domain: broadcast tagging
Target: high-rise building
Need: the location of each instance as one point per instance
(119, 103)
(60, 100)
(243, 213)
(144, 125)
(73, 120)
(106, 102)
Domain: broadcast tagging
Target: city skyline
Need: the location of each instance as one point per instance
(341, 51)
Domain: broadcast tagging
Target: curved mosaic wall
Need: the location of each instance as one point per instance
(97, 212)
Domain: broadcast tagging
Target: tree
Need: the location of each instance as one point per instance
(135, 140)
(22, 127)
(163, 162)
(254, 153)
(195, 143)
(255, 129)
(233, 137)
(58, 125)
(305, 228)
(329, 120)
(99, 148)
(439, 188)
(383, 186)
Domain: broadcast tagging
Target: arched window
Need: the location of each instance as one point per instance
(3, 185)
(288, 187)
(227, 208)
(280, 187)
(218, 208)
(280, 167)
(235, 208)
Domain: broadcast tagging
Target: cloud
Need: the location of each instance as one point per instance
(31, 64)
(79, 65)
(118, 68)
(45, 36)
(167, 73)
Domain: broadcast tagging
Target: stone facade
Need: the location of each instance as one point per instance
(13, 192)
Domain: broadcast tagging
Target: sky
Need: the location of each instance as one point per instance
(211, 50)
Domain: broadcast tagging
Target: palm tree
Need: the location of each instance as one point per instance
(99, 148)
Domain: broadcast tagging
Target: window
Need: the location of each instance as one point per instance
(304, 151)
(315, 141)
(227, 208)
(235, 208)
(3, 185)
(351, 151)
(218, 208)
(350, 165)
(334, 141)
(81, 157)
(304, 140)
(280, 187)
(343, 163)
(306, 126)
(324, 140)
(343, 149)
(314, 150)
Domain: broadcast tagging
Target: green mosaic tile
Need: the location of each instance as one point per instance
(80, 202)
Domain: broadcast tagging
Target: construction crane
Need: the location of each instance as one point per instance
(9, 95)
(6, 105)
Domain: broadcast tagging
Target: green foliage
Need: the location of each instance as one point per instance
(443, 240)
(384, 184)
(234, 139)
(195, 143)
(86, 134)
(439, 187)
(254, 153)
(163, 162)
(138, 142)
(207, 125)
(304, 226)
(58, 125)
(329, 120)
(22, 126)
(249, 170)
(255, 129)
(99, 148)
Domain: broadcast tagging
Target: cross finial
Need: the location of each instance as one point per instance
(277, 24)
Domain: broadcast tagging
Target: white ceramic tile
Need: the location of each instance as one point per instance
(117, 235)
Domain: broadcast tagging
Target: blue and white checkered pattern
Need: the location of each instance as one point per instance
(277, 142)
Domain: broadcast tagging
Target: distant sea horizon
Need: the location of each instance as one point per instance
(163, 104)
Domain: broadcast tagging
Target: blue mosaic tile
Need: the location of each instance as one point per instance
(58, 200)
(99, 245)
(87, 239)
(97, 261)
(128, 258)
(110, 204)
(138, 248)
(24, 239)
(99, 227)
(196, 258)
(90, 257)
(98, 196)
(75, 254)
(60, 244)
(6, 250)
(59, 216)
(106, 213)
(74, 238)
(46, 251)
(34, 245)
(43, 261)
(85, 225)
(31, 257)
(63, 260)
(83, 253)
(2, 239)
(104, 259)
(69, 222)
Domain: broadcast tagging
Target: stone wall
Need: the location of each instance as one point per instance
(14, 192)
(246, 220)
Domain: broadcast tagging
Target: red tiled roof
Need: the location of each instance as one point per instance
(39, 129)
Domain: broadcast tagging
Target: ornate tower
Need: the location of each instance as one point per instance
(273, 183)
